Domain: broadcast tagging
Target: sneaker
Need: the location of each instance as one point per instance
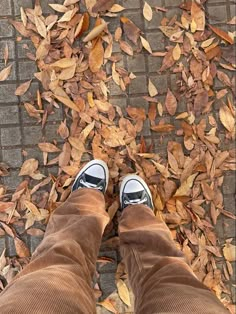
(94, 175)
(135, 191)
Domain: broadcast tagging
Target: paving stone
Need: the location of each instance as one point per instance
(9, 114)
(113, 23)
(27, 70)
(6, 30)
(5, 7)
(7, 93)
(138, 102)
(107, 284)
(10, 136)
(32, 135)
(217, 14)
(232, 11)
(212, 1)
(34, 153)
(12, 75)
(173, 3)
(229, 227)
(22, 3)
(108, 267)
(121, 102)
(154, 3)
(136, 63)
(115, 89)
(172, 12)
(138, 85)
(11, 48)
(2, 244)
(160, 81)
(23, 47)
(13, 180)
(131, 4)
(51, 132)
(154, 63)
(229, 184)
(12, 157)
(219, 227)
(229, 203)
(155, 22)
(156, 41)
(34, 243)
(47, 9)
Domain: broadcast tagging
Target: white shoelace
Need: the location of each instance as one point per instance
(137, 201)
(90, 185)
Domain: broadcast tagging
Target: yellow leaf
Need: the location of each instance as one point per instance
(229, 252)
(147, 12)
(116, 8)
(123, 292)
(32, 208)
(63, 63)
(23, 17)
(152, 89)
(176, 52)
(146, 44)
(185, 188)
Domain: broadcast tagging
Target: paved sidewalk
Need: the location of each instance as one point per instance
(19, 134)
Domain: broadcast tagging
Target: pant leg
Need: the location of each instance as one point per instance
(58, 278)
(160, 278)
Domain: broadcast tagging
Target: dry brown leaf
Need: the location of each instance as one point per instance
(29, 167)
(126, 48)
(163, 128)
(58, 7)
(96, 56)
(136, 113)
(123, 292)
(147, 11)
(48, 148)
(5, 73)
(21, 28)
(232, 21)
(227, 118)
(23, 16)
(229, 252)
(200, 102)
(21, 248)
(131, 30)
(6, 54)
(186, 186)
(198, 16)
(222, 34)
(63, 63)
(95, 32)
(41, 27)
(108, 306)
(67, 16)
(146, 44)
(171, 103)
(207, 191)
(176, 52)
(22, 89)
(168, 60)
(152, 89)
(103, 5)
(116, 8)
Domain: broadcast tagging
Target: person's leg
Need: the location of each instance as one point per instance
(160, 278)
(58, 279)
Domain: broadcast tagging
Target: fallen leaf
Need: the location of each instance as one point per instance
(200, 102)
(186, 186)
(227, 118)
(63, 63)
(222, 34)
(96, 56)
(163, 128)
(23, 16)
(58, 7)
(126, 48)
(146, 44)
(5, 73)
(103, 5)
(108, 306)
(176, 52)
(116, 8)
(232, 21)
(48, 148)
(123, 292)
(41, 27)
(22, 89)
(229, 252)
(171, 103)
(131, 30)
(147, 11)
(29, 167)
(152, 89)
(6, 54)
(21, 248)
(198, 16)
(95, 32)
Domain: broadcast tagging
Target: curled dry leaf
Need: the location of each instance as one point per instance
(108, 305)
(222, 34)
(95, 32)
(131, 30)
(22, 89)
(5, 73)
(198, 16)
(163, 128)
(41, 27)
(186, 186)
(48, 148)
(171, 103)
(227, 118)
(58, 7)
(123, 292)
(146, 44)
(126, 48)
(147, 11)
(152, 89)
(103, 5)
(96, 56)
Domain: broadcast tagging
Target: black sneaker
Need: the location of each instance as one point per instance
(135, 191)
(94, 175)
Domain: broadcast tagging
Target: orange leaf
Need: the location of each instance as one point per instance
(163, 128)
(222, 34)
(96, 56)
(171, 103)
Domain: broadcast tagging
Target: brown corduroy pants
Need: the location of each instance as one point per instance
(58, 278)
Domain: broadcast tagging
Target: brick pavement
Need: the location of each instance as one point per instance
(18, 132)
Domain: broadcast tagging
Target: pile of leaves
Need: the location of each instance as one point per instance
(72, 50)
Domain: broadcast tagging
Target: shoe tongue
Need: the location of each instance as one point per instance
(91, 179)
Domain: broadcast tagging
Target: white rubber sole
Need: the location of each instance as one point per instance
(134, 177)
(91, 163)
